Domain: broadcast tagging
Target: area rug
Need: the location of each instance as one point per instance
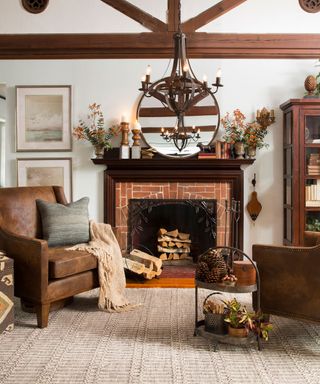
(152, 344)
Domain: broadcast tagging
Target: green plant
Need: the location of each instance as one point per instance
(237, 316)
(255, 134)
(313, 224)
(93, 128)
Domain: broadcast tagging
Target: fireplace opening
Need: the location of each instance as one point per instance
(195, 219)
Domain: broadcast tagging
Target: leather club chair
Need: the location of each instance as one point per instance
(45, 278)
(290, 278)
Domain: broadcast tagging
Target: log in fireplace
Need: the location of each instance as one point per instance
(157, 226)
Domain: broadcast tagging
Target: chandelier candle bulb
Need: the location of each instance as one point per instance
(205, 80)
(148, 74)
(218, 77)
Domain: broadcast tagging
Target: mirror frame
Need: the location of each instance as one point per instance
(214, 134)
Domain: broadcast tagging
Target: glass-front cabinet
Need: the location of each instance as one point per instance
(301, 168)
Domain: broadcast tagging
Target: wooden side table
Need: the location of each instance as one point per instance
(6, 293)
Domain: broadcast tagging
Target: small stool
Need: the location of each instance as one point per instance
(6, 293)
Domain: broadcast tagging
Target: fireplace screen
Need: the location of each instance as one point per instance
(191, 225)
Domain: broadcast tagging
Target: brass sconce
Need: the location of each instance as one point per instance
(265, 117)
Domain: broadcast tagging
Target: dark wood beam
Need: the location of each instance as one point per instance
(165, 112)
(137, 14)
(173, 15)
(159, 45)
(210, 14)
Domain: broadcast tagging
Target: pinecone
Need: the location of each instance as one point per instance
(201, 271)
(213, 276)
(220, 265)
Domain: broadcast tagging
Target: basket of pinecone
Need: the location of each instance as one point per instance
(211, 267)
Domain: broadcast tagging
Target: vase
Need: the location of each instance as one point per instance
(239, 150)
(252, 151)
(99, 151)
(237, 332)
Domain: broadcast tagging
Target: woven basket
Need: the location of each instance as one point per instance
(214, 322)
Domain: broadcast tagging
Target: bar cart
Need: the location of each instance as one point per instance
(230, 254)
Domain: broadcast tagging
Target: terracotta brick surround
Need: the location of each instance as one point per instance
(125, 191)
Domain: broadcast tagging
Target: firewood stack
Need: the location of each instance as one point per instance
(173, 245)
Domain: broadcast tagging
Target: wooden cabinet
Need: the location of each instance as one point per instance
(301, 168)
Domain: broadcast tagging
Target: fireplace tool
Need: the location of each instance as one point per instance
(234, 223)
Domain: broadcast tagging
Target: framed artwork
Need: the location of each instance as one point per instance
(43, 118)
(46, 171)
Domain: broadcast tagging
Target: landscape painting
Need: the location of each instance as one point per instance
(43, 118)
(46, 171)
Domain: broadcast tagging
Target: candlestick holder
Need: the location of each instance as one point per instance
(136, 148)
(265, 117)
(124, 148)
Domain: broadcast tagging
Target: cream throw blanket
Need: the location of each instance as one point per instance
(104, 246)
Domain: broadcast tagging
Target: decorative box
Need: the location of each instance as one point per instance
(6, 293)
(245, 272)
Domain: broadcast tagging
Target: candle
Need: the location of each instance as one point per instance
(218, 76)
(205, 80)
(272, 113)
(124, 118)
(149, 70)
(137, 125)
(148, 73)
(185, 67)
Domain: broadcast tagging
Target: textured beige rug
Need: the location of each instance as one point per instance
(152, 344)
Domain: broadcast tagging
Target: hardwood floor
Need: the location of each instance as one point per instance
(162, 282)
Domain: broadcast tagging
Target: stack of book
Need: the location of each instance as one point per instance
(314, 164)
(313, 194)
(221, 150)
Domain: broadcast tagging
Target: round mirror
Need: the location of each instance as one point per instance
(158, 122)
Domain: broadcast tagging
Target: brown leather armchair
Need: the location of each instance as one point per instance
(290, 278)
(44, 277)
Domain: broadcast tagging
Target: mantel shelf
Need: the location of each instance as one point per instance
(112, 161)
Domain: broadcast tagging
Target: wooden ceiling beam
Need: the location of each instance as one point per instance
(210, 14)
(159, 45)
(173, 15)
(148, 21)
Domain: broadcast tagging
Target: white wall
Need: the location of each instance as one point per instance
(249, 84)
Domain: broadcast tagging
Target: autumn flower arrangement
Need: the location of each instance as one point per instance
(235, 127)
(93, 129)
(238, 130)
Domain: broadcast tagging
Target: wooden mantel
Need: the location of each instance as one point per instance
(163, 170)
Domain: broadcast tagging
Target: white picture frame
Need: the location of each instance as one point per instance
(46, 171)
(43, 118)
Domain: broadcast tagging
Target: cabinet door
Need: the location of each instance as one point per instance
(310, 167)
(288, 176)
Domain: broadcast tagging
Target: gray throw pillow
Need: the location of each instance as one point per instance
(64, 224)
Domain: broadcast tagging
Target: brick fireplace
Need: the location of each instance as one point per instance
(169, 190)
(161, 178)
